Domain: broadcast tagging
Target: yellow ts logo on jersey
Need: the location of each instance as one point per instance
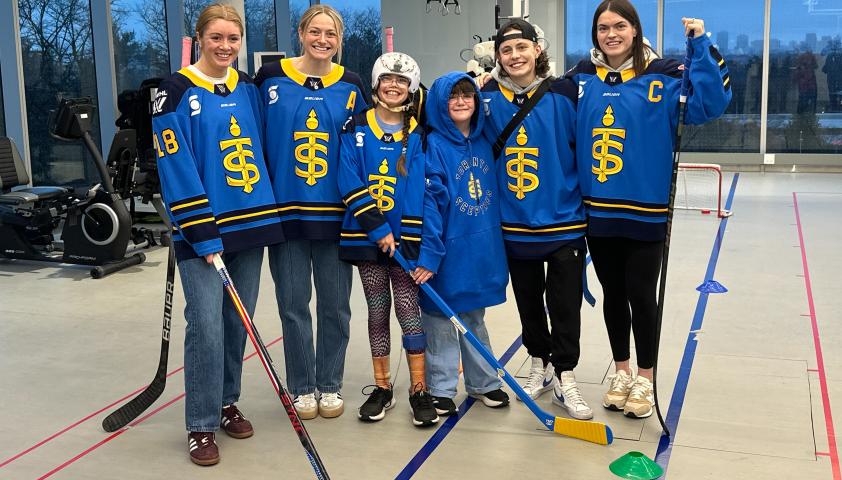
(307, 152)
(609, 163)
(516, 168)
(382, 187)
(474, 187)
(236, 161)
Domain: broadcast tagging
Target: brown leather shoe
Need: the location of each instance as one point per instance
(203, 449)
(234, 423)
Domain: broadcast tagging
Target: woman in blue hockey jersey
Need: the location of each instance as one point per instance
(381, 179)
(307, 99)
(208, 135)
(627, 118)
(462, 253)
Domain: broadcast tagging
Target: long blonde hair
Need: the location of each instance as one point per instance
(331, 12)
(217, 11)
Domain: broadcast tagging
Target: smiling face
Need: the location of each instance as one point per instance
(461, 105)
(220, 44)
(615, 37)
(518, 58)
(320, 39)
(393, 90)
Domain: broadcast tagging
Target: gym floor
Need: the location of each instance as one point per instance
(746, 377)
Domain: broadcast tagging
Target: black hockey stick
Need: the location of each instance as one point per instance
(662, 287)
(266, 360)
(122, 416)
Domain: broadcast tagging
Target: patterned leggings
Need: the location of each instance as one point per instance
(375, 279)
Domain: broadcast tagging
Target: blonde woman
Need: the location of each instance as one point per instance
(307, 99)
(207, 131)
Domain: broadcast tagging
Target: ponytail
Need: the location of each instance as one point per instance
(407, 116)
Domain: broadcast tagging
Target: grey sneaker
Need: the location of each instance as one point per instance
(541, 379)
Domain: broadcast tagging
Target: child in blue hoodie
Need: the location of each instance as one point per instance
(462, 252)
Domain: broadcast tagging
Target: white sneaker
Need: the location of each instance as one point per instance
(566, 394)
(618, 391)
(641, 399)
(306, 406)
(540, 379)
(331, 405)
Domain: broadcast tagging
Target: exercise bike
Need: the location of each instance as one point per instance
(96, 227)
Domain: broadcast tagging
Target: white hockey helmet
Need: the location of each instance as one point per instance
(396, 63)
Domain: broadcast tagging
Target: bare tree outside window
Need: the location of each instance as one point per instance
(57, 52)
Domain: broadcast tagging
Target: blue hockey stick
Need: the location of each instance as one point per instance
(596, 432)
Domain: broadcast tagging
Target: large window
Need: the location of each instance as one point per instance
(363, 41)
(736, 29)
(140, 41)
(579, 18)
(805, 77)
(261, 34)
(57, 52)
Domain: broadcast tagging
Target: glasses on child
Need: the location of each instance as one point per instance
(464, 96)
(394, 80)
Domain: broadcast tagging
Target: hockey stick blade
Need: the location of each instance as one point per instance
(590, 431)
(131, 410)
(266, 360)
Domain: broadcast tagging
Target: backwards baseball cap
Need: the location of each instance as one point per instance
(527, 31)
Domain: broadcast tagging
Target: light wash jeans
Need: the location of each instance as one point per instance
(215, 338)
(293, 263)
(443, 347)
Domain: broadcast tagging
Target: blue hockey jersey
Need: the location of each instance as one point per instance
(540, 204)
(304, 116)
(379, 199)
(214, 179)
(462, 241)
(626, 135)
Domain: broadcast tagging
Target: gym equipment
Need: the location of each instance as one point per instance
(96, 228)
(590, 431)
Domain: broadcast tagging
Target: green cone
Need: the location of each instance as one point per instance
(637, 466)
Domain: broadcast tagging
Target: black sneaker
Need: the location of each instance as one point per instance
(494, 399)
(423, 410)
(374, 409)
(444, 406)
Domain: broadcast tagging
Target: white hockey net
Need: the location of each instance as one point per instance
(699, 187)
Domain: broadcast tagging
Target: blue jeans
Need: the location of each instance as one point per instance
(443, 347)
(293, 263)
(215, 338)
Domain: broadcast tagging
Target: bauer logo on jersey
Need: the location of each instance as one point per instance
(523, 167)
(382, 186)
(608, 144)
(307, 152)
(237, 154)
(158, 104)
(195, 106)
(273, 94)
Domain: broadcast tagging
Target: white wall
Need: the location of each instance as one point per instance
(435, 40)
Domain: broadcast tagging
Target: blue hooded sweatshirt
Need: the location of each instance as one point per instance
(462, 241)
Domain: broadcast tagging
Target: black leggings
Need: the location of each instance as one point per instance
(562, 285)
(628, 271)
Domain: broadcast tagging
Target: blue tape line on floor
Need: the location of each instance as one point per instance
(449, 424)
(662, 457)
